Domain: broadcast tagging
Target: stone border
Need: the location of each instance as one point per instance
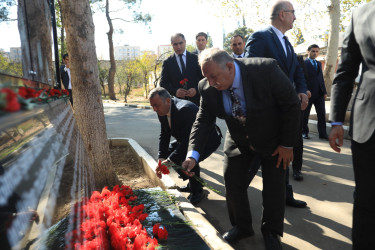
(137, 106)
(203, 227)
(313, 127)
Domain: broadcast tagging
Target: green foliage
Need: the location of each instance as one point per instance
(243, 31)
(128, 73)
(298, 36)
(103, 75)
(210, 43)
(4, 9)
(9, 67)
(190, 47)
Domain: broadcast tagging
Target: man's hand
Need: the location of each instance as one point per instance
(191, 92)
(325, 97)
(188, 164)
(285, 155)
(304, 100)
(181, 93)
(336, 138)
(308, 94)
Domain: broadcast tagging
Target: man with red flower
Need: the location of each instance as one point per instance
(176, 117)
(180, 73)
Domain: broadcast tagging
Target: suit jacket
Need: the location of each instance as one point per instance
(64, 77)
(171, 75)
(183, 115)
(272, 111)
(358, 47)
(265, 43)
(316, 80)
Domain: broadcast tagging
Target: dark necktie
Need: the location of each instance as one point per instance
(182, 64)
(288, 47)
(237, 112)
(315, 65)
(239, 57)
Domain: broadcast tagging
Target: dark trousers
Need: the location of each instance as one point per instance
(70, 96)
(364, 197)
(296, 164)
(236, 172)
(320, 108)
(298, 150)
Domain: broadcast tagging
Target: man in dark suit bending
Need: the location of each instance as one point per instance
(176, 117)
(358, 47)
(180, 73)
(261, 110)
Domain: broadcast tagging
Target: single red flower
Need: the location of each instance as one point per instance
(182, 82)
(162, 233)
(164, 169)
(11, 101)
(186, 80)
(155, 229)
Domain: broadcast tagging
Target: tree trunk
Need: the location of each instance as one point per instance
(112, 69)
(34, 25)
(88, 106)
(333, 44)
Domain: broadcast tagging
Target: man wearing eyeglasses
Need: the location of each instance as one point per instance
(272, 43)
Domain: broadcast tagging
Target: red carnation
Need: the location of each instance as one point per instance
(11, 101)
(155, 229)
(164, 169)
(162, 233)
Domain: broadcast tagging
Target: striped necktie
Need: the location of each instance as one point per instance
(237, 111)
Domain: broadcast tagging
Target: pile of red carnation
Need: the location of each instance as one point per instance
(11, 101)
(109, 222)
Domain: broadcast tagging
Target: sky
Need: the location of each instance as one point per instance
(185, 16)
(168, 17)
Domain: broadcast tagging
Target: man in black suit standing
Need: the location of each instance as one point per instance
(318, 93)
(201, 41)
(358, 47)
(176, 117)
(272, 43)
(237, 46)
(65, 76)
(261, 110)
(180, 73)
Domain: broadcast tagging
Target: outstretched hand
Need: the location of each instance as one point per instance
(336, 138)
(285, 156)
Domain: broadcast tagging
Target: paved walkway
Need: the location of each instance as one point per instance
(327, 188)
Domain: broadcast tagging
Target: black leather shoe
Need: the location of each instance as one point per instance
(295, 203)
(236, 234)
(271, 240)
(184, 189)
(306, 136)
(324, 137)
(297, 175)
(197, 197)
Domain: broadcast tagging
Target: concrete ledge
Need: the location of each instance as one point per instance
(138, 106)
(203, 227)
(313, 127)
